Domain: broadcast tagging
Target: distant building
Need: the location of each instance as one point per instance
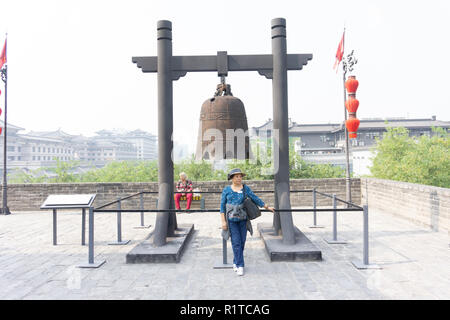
(325, 143)
(144, 144)
(38, 149)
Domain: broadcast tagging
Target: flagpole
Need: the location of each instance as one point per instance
(347, 156)
(5, 209)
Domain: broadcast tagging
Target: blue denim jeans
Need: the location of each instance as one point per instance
(238, 233)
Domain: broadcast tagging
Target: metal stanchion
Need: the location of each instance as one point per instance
(202, 202)
(119, 227)
(224, 264)
(314, 210)
(365, 262)
(142, 226)
(91, 263)
(335, 240)
(54, 227)
(83, 227)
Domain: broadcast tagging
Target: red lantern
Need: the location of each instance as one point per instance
(352, 104)
(352, 125)
(351, 84)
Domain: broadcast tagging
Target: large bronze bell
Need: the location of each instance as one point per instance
(223, 129)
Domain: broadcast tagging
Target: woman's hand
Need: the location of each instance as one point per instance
(269, 208)
(224, 226)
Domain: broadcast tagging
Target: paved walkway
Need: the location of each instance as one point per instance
(415, 261)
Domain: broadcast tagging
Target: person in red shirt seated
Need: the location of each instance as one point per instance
(183, 185)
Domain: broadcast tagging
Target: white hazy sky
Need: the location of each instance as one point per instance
(70, 61)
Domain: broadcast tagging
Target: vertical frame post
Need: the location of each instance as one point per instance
(164, 227)
(280, 125)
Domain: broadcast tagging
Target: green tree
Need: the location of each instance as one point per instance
(301, 169)
(64, 171)
(198, 170)
(298, 168)
(123, 171)
(424, 160)
(33, 176)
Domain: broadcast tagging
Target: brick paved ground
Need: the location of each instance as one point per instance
(415, 261)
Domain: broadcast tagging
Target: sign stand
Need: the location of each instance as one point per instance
(75, 201)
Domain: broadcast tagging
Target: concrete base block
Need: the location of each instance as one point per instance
(146, 252)
(302, 250)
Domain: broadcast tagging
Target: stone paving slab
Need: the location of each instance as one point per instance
(414, 259)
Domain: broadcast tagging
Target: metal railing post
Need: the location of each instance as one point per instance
(119, 225)
(54, 227)
(224, 264)
(224, 251)
(314, 210)
(142, 208)
(141, 203)
(91, 236)
(334, 219)
(83, 227)
(119, 222)
(335, 240)
(366, 235)
(315, 206)
(202, 202)
(365, 262)
(91, 263)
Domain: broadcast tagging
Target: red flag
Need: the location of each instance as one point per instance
(339, 52)
(3, 56)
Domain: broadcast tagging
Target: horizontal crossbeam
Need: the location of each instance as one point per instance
(262, 63)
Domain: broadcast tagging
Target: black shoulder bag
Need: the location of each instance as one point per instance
(251, 208)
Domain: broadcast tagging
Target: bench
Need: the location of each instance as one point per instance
(196, 197)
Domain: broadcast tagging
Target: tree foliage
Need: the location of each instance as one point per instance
(147, 171)
(123, 171)
(198, 170)
(423, 160)
(298, 168)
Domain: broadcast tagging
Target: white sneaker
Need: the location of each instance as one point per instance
(235, 268)
(240, 271)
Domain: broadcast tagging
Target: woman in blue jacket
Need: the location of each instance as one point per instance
(231, 210)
